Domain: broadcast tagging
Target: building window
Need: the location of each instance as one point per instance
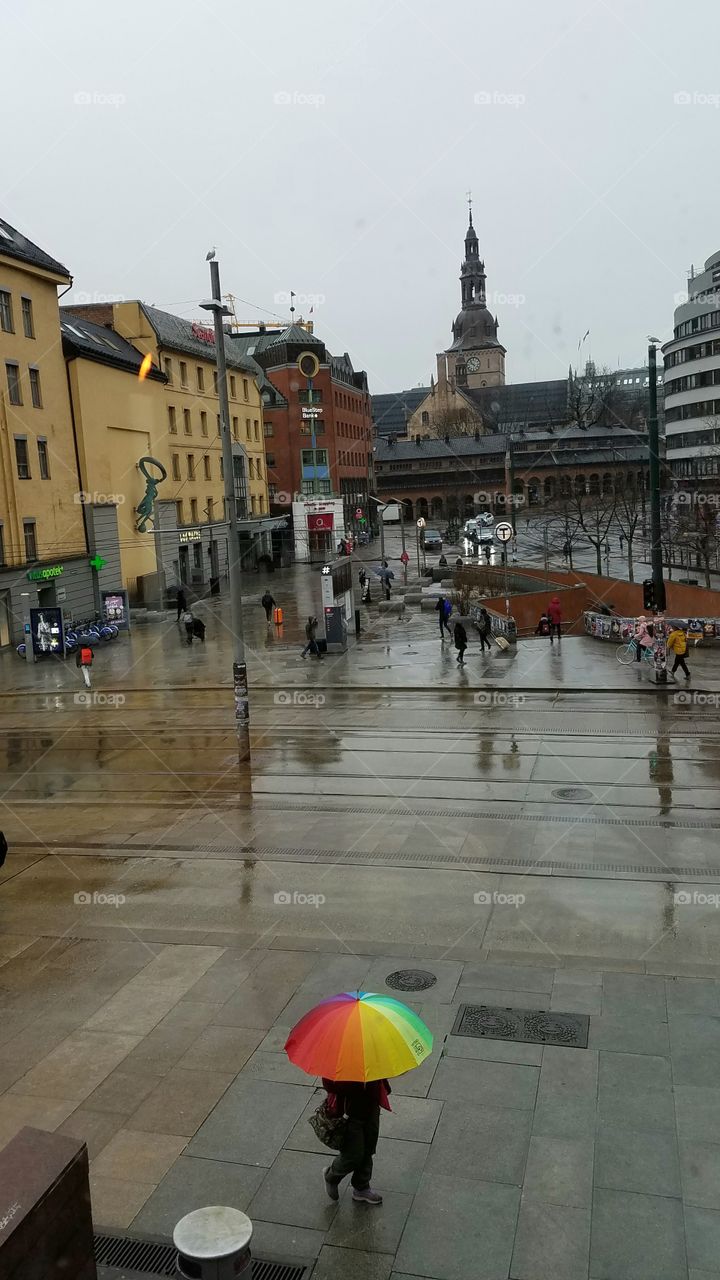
(183, 373)
(210, 509)
(258, 469)
(232, 385)
(203, 422)
(268, 428)
(27, 318)
(191, 466)
(270, 459)
(35, 394)
(215, 381)
(193, 511)
(236, 429)
(200, 378)
(175, 463)
(6, 315)
(222, 469)
(43, 459)
(253, 505)
(251, 468)
(22, 458)
(246, 390)
(272, 490)
(206, 464)
(168, 369)
(197, 554)
(172, 421)
(187, 424)
(256, 429)
(179, 517)
(13, 381)
(30, 540)
(309, 395)
(217, 420)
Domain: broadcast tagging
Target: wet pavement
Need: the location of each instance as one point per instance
(538, 831)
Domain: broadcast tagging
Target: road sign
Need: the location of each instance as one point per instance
(421, 523)
(503, 531)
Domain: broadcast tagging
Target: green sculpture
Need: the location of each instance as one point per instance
(144, 508)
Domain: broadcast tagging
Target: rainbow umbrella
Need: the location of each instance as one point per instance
(359, 1036)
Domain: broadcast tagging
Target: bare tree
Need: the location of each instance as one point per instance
(455, 421)
(563, 526)
(595, 514)
(596, 400)
(629, 516)
(694, 525)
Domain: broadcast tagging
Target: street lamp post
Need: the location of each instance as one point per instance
(240, 685)
(654, 468)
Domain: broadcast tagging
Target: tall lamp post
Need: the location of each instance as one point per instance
(654, 469)
(240, 685)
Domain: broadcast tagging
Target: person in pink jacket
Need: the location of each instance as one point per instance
(643, 636)
(554, 613)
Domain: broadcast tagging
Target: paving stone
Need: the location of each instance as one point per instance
(634, 1073)
(504, 999)
(357, 1226)
(414, 1119)
(459, 1229)
(642, 1112)
(696, 1067)
(692, 995)
(552, 1242)
(576, 999)
(130, 1152)
(122, 1091)
(495, 1084)
(275, 1066)
(630, 994)
(559, 1171)
(481, 1143)
(703, 1237)
(559, 1116)
(17, 1111)
(637, 1237)
(529, 1055)
(116, 1201)
(351, 1264)
(399, 1164)
(189, 1185)
(251, 1122)
(584, 977)
(698, 1113)
(512, 977)
(181, 1102)
(292, 1192)
(221, 1049)
(571, 1072)
(629, 1033)
(700, 1173)
(277, 1242)
(77, 1066)
(631, 1161)
(95, 1128)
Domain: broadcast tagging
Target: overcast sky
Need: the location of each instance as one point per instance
(327, 146)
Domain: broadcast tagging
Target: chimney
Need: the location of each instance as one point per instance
(261, 327)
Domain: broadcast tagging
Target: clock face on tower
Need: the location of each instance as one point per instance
(473, 364)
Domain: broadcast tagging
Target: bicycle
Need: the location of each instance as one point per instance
(627, 653)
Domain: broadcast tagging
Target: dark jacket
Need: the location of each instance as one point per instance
(181, 600)
(460, 636)
(359, 1101)
(311, 627)
(484, 625)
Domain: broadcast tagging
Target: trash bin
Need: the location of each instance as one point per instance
(213, 1244)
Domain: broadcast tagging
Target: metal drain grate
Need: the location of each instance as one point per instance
(573, 793)
(525, 1026)
(156, 1259)
(410, 980)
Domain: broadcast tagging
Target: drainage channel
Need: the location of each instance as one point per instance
(128, 1256)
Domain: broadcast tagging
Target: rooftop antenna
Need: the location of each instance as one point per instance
(292, 307)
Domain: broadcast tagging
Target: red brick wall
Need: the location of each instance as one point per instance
(627, 597)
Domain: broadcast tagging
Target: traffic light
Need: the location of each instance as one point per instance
(648, 594)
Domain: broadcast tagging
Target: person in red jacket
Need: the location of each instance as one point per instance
(554, 613)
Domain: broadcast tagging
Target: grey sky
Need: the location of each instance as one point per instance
(593, 188)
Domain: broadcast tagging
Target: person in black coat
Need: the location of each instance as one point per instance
(181, 602)
(460, 635)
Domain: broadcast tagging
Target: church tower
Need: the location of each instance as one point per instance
(476, 358)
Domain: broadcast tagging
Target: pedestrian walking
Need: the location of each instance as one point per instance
(643, 636)
(386, 576)
(566, 550)
(362, 579)
(484, 626)
(443, 609)
(442, 563)
(268, 604)
(554, 613)
(361, 1104)
(189, 622)
(677, 643)
(181, 602)
(311, 627)
(461, 642)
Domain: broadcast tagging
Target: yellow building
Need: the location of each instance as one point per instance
(183, 431)
(43, 542)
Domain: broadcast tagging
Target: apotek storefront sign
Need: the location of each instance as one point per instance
(45, 573)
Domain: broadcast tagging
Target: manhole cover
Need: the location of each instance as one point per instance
(411, 980)
(527, 1026)
(573, 793)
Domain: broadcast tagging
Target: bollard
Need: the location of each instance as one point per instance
(213, 1244)
(357, 622)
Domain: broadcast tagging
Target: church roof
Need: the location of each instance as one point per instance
(391, 410)
(475, 329)
(522, 403)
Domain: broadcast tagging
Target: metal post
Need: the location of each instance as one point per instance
(653, 446)
(240, 685)
(402, 535)
(546, 555)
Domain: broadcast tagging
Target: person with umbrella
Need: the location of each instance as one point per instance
(355, 1041)
(386, 576)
